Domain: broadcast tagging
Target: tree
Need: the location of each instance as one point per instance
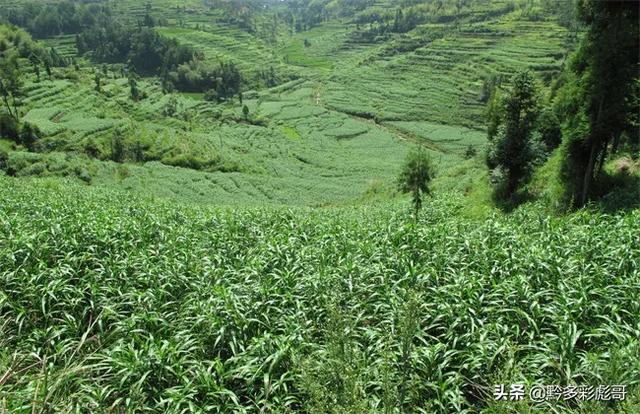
(548, 126)
(10, 82)
(117, 147)
(211, 95)
(470, 152)
(4, 160)
(98, 80)
(36, 67)
(494, 113)
(171, 107)
(510, 148)
(597, 101)
(245, 112)
(415, 176)
(29, 135)
(9, 127)
(133, 86)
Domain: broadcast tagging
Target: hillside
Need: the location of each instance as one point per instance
(336, 131)
(319, 206)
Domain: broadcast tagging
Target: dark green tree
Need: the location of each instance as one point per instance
(494, 113)
(171, 107)
(117, 147)
(597, 101)
(35, 62)
(510, 148)
(133, 87)
(211, 95)
(9, 127)
(245, 112)
(10, 82)
(98, 81)
(470, 152)
(548, 125)
(4, 160)
(29, 134)
(415, 176)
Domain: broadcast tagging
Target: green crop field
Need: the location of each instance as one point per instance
(133, 305)
(261, 206)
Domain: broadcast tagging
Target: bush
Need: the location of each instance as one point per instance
(37, 169)
(9, 127)
(29, 134)
(83, 175)
(4, 160)
(123, 172)
(191, 161)
(548, 125)
(470, 152)
(211, 95)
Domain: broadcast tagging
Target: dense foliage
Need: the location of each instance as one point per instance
(600, 99)
(106, 37)
(511, 145)
(220, 82)
(142, 48)
(108, 303)
(62, 17)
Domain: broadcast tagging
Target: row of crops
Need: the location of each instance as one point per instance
(113, 304)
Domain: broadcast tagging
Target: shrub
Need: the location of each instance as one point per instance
(123, 172)
(191, 161)
(548, 125)
(29, 134)
(470, 152)
(9, 127)
(83, 175)
(4, 160)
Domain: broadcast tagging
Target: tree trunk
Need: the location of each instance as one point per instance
(601, 158)
(616, 143)
(588, 175)
(16, 114)
(417, 203)
(5, 98)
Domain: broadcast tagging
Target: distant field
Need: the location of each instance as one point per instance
(343, 123)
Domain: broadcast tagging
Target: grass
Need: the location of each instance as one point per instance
(109, 302)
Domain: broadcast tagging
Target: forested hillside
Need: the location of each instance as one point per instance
(317, 206)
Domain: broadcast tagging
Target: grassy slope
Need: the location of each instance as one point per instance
(316, 148)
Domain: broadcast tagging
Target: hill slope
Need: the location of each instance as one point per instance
(334, 133)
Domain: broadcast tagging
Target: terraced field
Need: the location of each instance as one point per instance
(441, 82)
(331, 135)
(223, 42)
